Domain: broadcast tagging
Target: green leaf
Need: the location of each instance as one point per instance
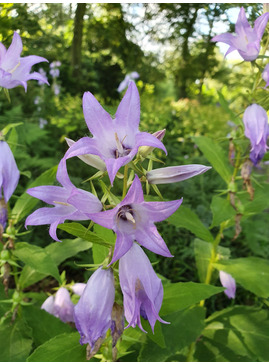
(216, 156)
(10, 126)
(237, 333)
(221, 210)
(252, 273)
(100, 252)
(80, 231)
(13, 140)
(225, 105)
(260, 201)
(178, 296)
(185, 327)
(37, 258)
(44, 325)
(157, 337)
(202, 253)
(64, 347)
(186, 218)
(25, 204)
(58, 251)
(16, 341)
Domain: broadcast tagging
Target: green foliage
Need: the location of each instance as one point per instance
(221, 210)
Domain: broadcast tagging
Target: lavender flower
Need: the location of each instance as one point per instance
(43, 74)
(175, 174)
(60, 306)
(228, 282)
(63, 199)
(15, 70)
(133, 219)
(54, 72)
(142, 289)
(116, 141)
(129, 77)
(257, 130)
(265, 75)
(9, 173)
(247, 40)
(56, 89)
(78, 288)
(93, 311)
(42, 123)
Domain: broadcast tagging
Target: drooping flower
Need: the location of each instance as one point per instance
(175, 174)
(257, 130)
(129, 77)
(265, 75)
(247, 39)
(133, 219)
(228, 282)
(142, 289)
(78, 288)
(93, 311)
(115, 141)
(15, 70)
(90, 159)
(63, 199)
(9, 173)
(60, 306)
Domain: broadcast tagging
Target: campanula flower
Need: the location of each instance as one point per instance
(9, 173)
(60, 306)
(93, 311)
(265, 75)
(247, 39)
(228, 282)
(175, 174)
(142, 289)
(129, 77)
(78, 288)
(90, 159)
(257, 130)
(63, 199)
(15, 70)
(115, 141)
(133, 219)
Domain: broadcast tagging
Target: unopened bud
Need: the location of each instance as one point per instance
(90, 159)
(145, 151)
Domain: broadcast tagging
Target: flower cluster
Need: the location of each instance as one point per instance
(114, 144)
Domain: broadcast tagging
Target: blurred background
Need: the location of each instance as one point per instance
(185, 85)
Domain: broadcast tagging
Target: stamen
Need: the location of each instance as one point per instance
(13, 69)
(119, 145)
(61, 203)
(129, 217)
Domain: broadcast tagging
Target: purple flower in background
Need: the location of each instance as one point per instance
(56, 89)
(42, 123)
(9, 173)
(78, 288)
(129, 77)
(54, 72)
(142, 289)
(247, 39)
(228, 282)
(15, 70)
(44, 75)
(175, 174)
(55, 64)
(60, 306)
(63, 199)
(93, 311)
(133, 219)
(265, 75)
(115, 141)
(257, 130)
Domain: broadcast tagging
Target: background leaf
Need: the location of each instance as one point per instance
(221, 210)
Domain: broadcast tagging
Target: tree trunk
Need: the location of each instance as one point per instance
(77, 40)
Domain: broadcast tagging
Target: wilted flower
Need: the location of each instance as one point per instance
(265, 75)
(15, 70)
(247, 40)
(117, 140)
(175, 174)
(78, 288)
(129, 77)
(93, 311)
(63, 199)
(60, 306)
(133, 219)
(228, 282)
(257, 130)
(9, 173)
(142, 289)
(90, 159)
(3, 214)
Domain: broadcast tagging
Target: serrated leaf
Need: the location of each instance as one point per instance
(186, 218)
(216, 156)
(252, 273)
(178, 296)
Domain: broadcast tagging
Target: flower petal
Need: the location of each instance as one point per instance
(260, 24)
(12, 56)
(147, 139)
(83, 146)
(224, 38)
(242, 25)
(123, 243)
(135, 193)
(104, 218)
(84, 201)
(159, 211)
(49, 194)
